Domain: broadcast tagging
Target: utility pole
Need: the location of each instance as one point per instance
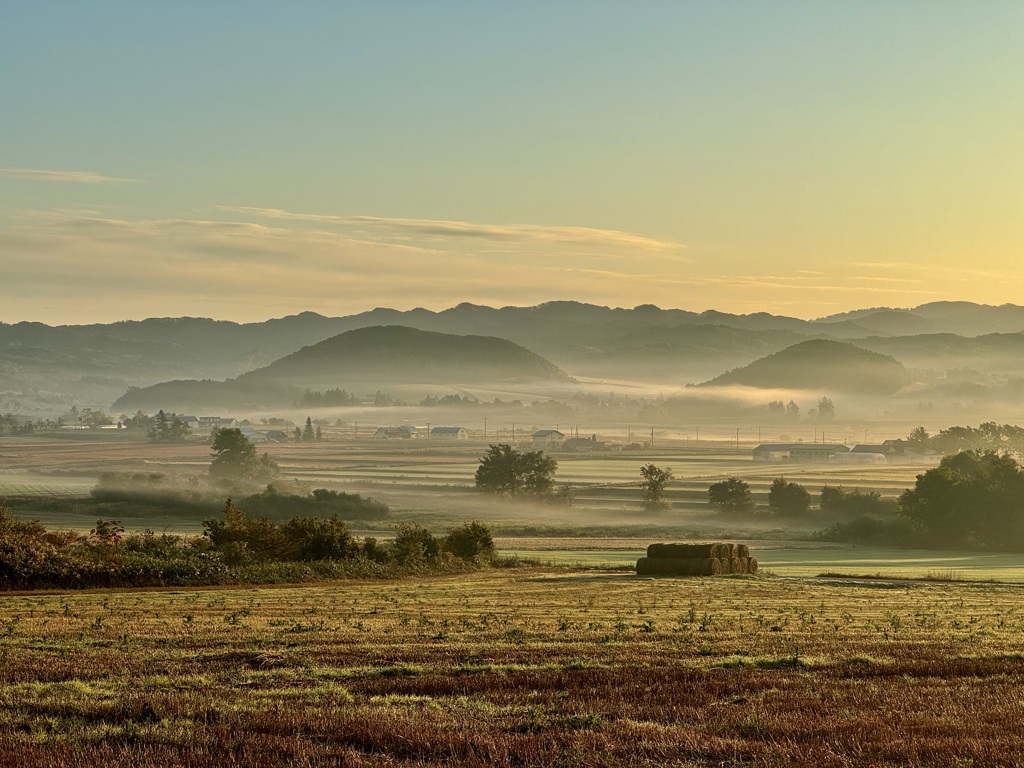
(652, 437)
(737, 438)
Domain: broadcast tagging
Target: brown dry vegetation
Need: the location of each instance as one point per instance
(517, 668)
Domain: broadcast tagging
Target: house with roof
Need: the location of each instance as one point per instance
(191, 421)
(252, 435)
(449, 433)
(210, 423)
(583, 445)
(547, 438)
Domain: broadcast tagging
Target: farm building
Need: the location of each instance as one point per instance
(861, 457)
(277, 436)
(252, 435)
(798, 451)
(404, 432)
(209, 423)
(582, 444)
(449, 433)
(547, 438)
(899, 452)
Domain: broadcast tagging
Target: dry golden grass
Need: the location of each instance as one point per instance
(540, 667)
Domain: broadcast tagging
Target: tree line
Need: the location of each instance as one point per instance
(971, 500)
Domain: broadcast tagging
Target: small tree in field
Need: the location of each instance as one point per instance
(788, 499)
(508, 472)
(732, 496)
(235, 458)
(654, 483)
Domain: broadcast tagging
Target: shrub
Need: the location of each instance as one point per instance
(314, 539)
(259, 536)
(413, 544)
(839, 501)
(472, 542)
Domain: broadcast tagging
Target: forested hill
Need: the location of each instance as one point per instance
(382, 357)
(400, 354)
(821, 364)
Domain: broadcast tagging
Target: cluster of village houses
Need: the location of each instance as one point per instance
(887, 452)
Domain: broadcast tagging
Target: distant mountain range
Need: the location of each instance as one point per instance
(375, 358)
(43, 366)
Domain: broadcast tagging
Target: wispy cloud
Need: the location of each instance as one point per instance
(251, 269)
(508, 233)
(37, 174)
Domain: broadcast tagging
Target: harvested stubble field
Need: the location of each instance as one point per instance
(517, 667)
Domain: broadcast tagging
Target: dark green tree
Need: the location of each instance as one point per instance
(308, 435)
(826, 409)
(788, 499)
(836, 500)
(655, 480)
(168, 428)
(506, 471)
(235, 458)
(971, 500)
(731, 495)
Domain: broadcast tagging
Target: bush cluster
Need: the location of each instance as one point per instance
(235, 548)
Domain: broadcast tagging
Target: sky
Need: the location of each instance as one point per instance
(248, 160)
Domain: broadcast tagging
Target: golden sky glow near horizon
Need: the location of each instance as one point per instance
(253, 160)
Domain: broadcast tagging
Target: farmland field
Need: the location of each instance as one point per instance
(517, 667)
(430, 477)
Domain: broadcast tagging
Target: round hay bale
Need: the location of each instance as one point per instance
(753, 567)
(742, 550)
(736, 565)
(692, 551)
(655, 550)
(644, 567)
(710, 566)
(744, 564)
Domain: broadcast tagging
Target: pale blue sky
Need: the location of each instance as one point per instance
(267, 158)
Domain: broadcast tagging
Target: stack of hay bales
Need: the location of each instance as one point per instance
(696, 560)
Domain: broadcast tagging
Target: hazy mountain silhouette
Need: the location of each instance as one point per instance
(93, 364)
(821, 365)
(379, 357)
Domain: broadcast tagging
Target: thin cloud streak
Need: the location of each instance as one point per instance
(79, 177)
(465, 229)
